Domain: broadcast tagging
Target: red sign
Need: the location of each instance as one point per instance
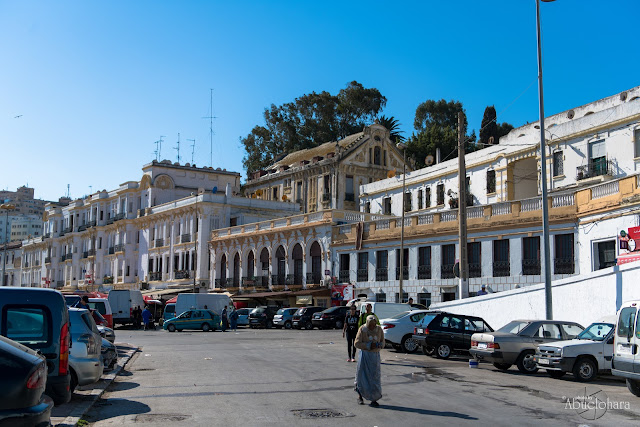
(340, 293)
(634, 232)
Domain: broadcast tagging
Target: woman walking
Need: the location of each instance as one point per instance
(370, 339)
(350, 329)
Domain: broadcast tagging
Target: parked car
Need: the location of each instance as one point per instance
(332, 317)
(243, 316)
(39, 319)
(262, 317)
(626, 356)
(442, 333)
(398, 330)
(302, 317)
(516, 342)
(206, 320)
(84, 356)
(169, 312)
(72, 300)
(23, 378)
(104, 308)
(385, 310)
(284, 318)
(122, 302)
(107, 333)
(585, 356)
(213, 302)
(109, 354)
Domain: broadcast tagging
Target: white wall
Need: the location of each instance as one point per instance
(582, 299)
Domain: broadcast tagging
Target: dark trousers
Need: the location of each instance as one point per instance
(351, 348)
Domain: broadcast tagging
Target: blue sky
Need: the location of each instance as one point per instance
(96, 83)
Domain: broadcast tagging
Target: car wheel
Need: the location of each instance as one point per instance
(206, 327)
(74, 381)
(585, 370)
(339, 324)
(287, 324)
(409, 344)
(555, 374)
(171, 328)
(525, 363)
(443, 351)
(634, 387)
(309, 326)
(502, 366)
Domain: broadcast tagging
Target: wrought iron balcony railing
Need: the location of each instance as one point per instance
(475, 269)
(446, 271)
(314, 278)
(344, 276)
(363, 275)
(382, 274)
(185, 238)
(155, 275)
(594, 168)
(501, 269)
(531, 267)
(405, 272)
(424, 272)
(563, 266)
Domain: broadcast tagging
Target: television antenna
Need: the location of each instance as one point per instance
(158, 151)
(211, 117)
(177, 147)
(193, 148)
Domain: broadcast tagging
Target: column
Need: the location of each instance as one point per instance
(486, 257)
(515, 256)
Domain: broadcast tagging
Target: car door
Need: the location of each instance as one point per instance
(547, 332)
(471, 326)
(450, 331)
(626, 346)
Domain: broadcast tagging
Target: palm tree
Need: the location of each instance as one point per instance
(393, 126)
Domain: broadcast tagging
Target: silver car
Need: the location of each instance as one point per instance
(107, 333)
(516, 342)
(284, 318)
(85, 359)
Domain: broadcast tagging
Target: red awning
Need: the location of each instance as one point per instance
(630, 257)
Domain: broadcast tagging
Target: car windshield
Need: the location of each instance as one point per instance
(596, 332)
(257, 310)
(281, 311)
(514, 327)
(400, 315)
(427, 319)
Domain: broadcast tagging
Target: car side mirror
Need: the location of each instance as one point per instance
(610, 340)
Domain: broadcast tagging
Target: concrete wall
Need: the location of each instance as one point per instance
(582, 299)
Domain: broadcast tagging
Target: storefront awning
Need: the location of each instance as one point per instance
(165, 291)
(630, 257)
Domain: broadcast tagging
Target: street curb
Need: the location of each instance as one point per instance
(96, 393)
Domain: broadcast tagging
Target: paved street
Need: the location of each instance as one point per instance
(269, 377)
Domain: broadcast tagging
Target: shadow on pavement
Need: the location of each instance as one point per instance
(124, 385)
(111, 408)
(428, 412)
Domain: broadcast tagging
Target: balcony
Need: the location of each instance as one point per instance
(182, 274)
(363, 275)
(501, 269)
(424, 272)
(563, 266)
(141, 212)
(158, 243)
(92, 252)
(278, 280)
(263, 282)
(326, 197)
(107, 280)
(46, 236)
(475, 269)
(119, 216)
(314, 278)
(349, 197)
(249, 281)
(531, 267)
(83, 227)
(26, 264)
(154, 276)
(405, 272)
(119, 248)
(85, 254)
(446, 271)
(47, 260)
(110, 220)
(112, 250)
(185, 238)
(595, 168)
(344, 276)
(382, 274)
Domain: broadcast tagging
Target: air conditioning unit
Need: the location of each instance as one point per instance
(321, 282)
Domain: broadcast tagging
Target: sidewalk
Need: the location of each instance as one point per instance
(85, 396)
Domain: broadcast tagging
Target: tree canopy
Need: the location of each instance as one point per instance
(490, 128)
(436, 125)
(309, 121)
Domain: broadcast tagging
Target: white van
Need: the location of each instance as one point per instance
(122, 302)
(214, 302)
(385, 310)
(626, 354)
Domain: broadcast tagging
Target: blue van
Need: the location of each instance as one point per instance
(39, 319)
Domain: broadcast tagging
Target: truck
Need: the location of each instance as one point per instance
(626, 357)
(122, 302)
(585, 356)
(213, 302)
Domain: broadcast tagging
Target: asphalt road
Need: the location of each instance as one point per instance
(271, 377)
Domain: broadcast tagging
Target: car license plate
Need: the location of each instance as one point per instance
(420, 331)
(543, 361)
(482, 345)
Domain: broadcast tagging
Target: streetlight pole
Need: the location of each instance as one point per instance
(403, 147)
(195, 251)
(543, 171)
(7, 207)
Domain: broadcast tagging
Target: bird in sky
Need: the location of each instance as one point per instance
(17, 117)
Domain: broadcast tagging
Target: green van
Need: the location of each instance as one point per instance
(38, 318)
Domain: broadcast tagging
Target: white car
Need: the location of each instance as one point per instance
(398, 330)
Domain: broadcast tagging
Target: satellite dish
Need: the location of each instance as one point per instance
(215, 190)
(391, 173)
(428, 160)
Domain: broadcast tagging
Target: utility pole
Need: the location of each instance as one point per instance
(463, 287)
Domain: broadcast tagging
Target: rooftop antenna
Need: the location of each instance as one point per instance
(211, 117)
(177, 148)
(91, 189)
(68, 190)
(193, 148)
(158, 151)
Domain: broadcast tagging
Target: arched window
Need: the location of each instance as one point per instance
(297, 264)
(236, 270)
(377, 157)
(316, 264)
(223, 270)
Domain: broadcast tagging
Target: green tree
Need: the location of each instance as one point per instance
(393, 125)
(309, 121)
(436, 125)
(490, 128)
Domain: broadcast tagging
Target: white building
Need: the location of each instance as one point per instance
(10, 265)
(591, 151)
(25, 226)
(152, 232)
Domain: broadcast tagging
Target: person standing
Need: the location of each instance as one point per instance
(146, 317)
(367, 313)
(137, 317)
(482, 291)
(225, 320)
(233, 319)
(350, 329)
(370, 339)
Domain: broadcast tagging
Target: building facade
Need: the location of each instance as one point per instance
(25, 226)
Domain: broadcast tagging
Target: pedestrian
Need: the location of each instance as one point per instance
(370, 339)
(482, 291)
(83, 302)
(350, 329)
(225, 320)
(233, 318)
(363, 316)
(410, 301)
(137, 317)
(146, 318)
